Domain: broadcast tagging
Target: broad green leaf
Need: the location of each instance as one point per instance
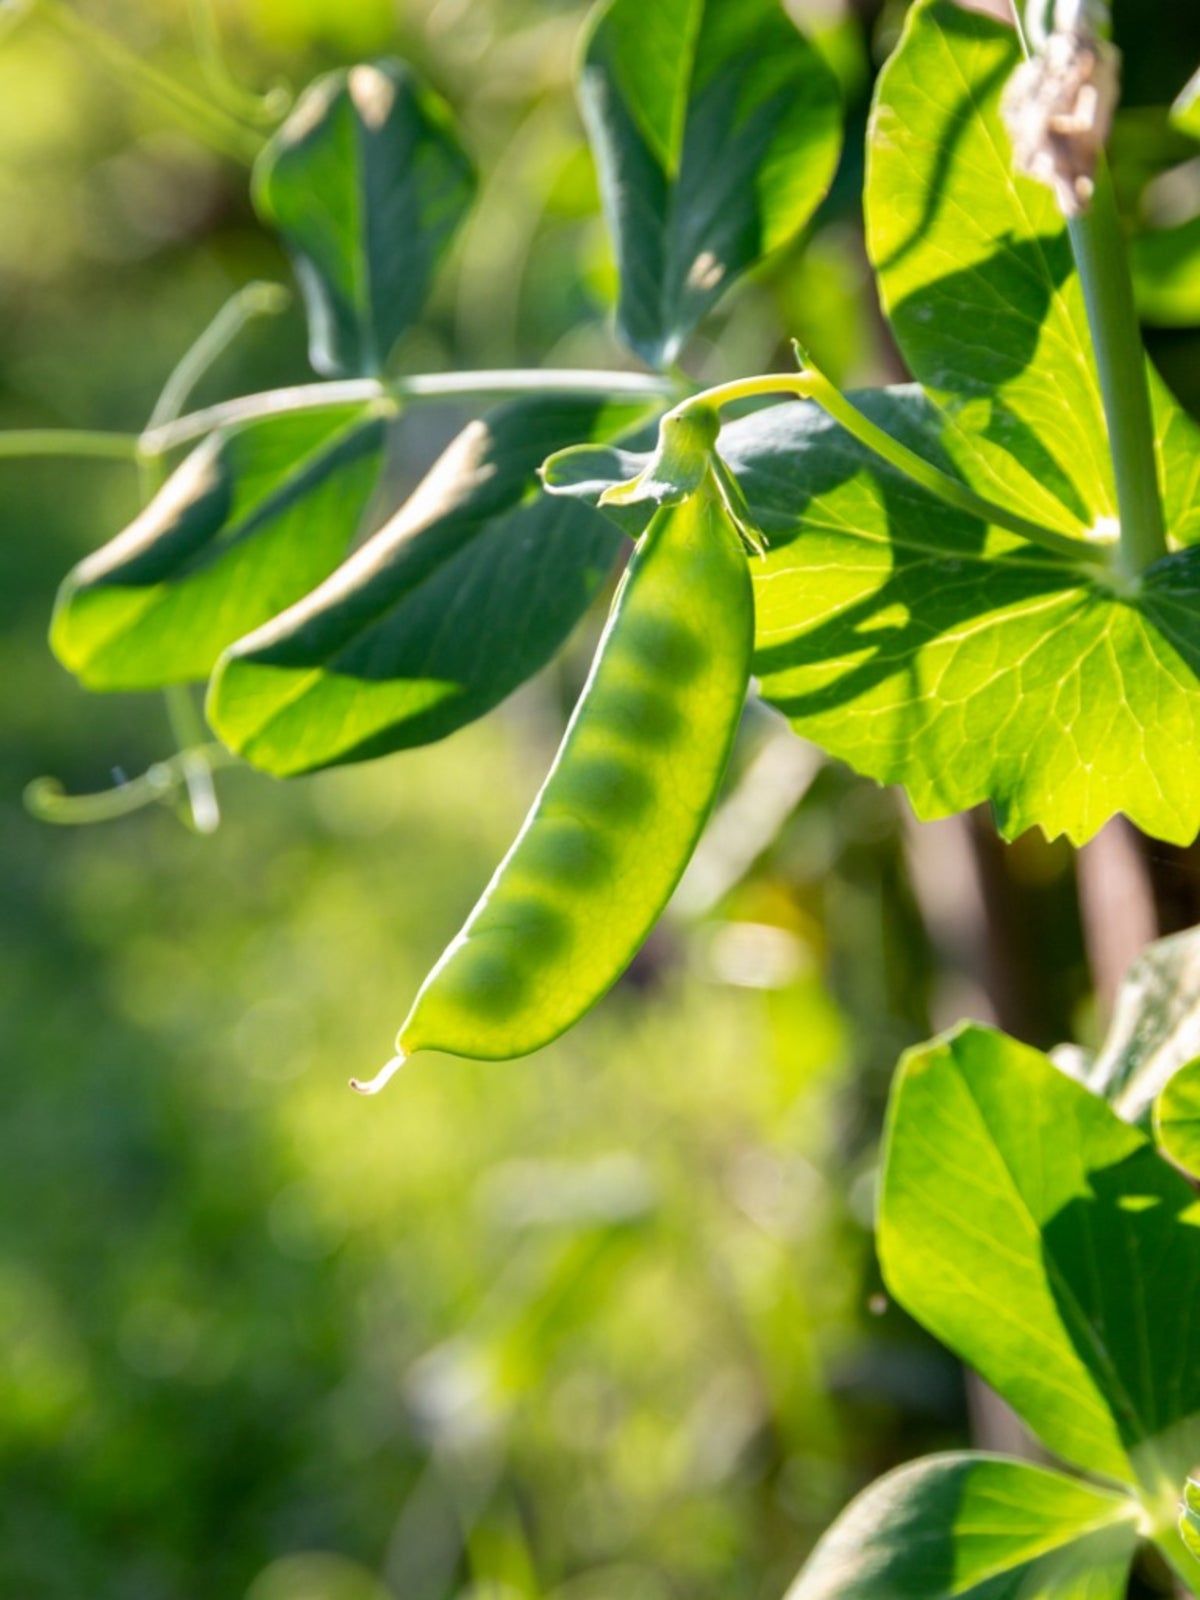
(1166, 275)
(465, 593)
(366, 182)
(1177, 1118)
(977, 278)
(1185, 111)
(1050, 1246)
(929, 651)
(716, 126)
(1189, 1517)
(975, 1527)
(1155, 1029)
(248, 523)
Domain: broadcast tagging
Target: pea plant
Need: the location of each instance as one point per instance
(981, 586)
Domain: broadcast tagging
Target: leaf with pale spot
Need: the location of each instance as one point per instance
(367, 183)
(716, 127)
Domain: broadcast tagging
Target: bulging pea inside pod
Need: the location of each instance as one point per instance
(616, 821)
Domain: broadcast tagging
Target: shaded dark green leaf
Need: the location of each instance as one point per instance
(974, 1527)
(465, 593)
(716, 127)
(366, 182)
(249, 522)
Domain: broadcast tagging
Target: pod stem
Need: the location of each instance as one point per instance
(811, 384)
(382, 1078)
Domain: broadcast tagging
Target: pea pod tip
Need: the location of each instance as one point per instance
(381, 1079)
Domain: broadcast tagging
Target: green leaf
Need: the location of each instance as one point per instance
(468, 590)
(1189, 1518)
(926, 650)
(1185, 111)
(1166, 275)
(249, 522)
(1050, 1246)
(1177, 1118)
(977, 278)
(716, 127)
(1155, 1029)
(975, 1527)
(367, 182)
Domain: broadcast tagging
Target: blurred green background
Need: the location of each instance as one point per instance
(603, 1323)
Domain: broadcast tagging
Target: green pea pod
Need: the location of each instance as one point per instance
(619, 814)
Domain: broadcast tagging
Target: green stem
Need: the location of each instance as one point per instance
(206, 119)
(254, 300)
(22, 442)
(420, 387)
(45, 799)
(262, 109)
(811, 384)
(194, 765)
(1103, 264)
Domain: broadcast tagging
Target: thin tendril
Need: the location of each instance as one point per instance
(254, 300)
(46, 799)
(208, 120)
(194, 765)
(381, 1079)
(263, 109)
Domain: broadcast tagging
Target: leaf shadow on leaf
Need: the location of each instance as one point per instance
(1022, 274)
(956, 128)
(466, 591)
(1123, 1266)
(882, 634)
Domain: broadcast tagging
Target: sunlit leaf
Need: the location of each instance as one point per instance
(977, 278)
(972, 1527)
(716, 126)
(366, 182)
(1189, 1517)
(1177, 1118)
(1166, 275)
(248, 523)
(1050, 1246)
(467, 591)
(1185, 111)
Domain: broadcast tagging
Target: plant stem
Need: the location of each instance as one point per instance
(256, 108)
(1103, 265)
(810, 384)
(421, 387)
(254, 300)
(21, 442)
(195, 767)
(206, 119)
(45, 800)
